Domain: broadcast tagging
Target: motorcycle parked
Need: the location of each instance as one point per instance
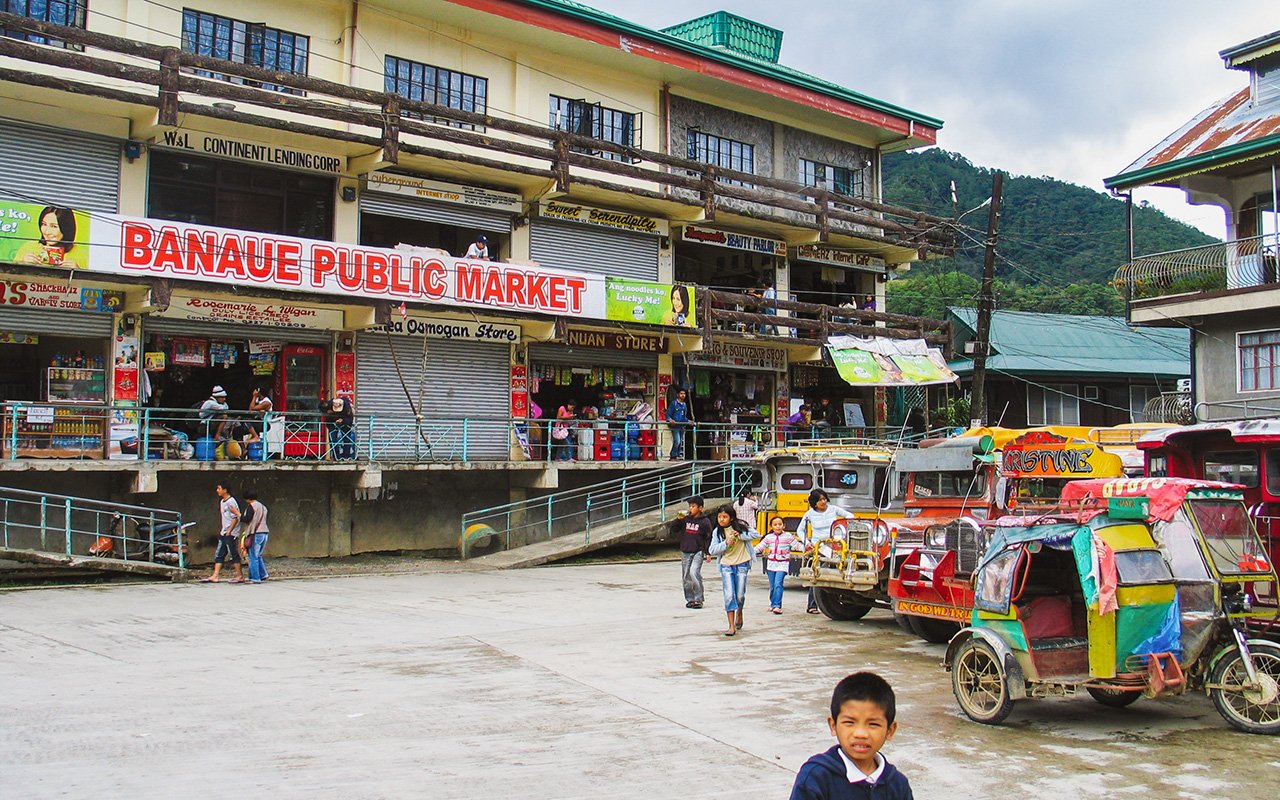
(163, 543)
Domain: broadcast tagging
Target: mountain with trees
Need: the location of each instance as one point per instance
(1059, 243)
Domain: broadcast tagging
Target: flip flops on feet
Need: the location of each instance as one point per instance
(776, 610)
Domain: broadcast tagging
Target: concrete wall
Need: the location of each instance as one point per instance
(1216, 378)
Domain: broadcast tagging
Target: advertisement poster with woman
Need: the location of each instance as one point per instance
(650, 303)
(45, 236)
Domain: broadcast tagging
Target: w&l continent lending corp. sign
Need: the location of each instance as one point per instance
(734, 241)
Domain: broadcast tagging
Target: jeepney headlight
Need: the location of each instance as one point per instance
(879, 534)
(935, 536)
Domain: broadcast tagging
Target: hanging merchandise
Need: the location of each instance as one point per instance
(222, 354)
(262, 363)
(701, 382)
(153, 361)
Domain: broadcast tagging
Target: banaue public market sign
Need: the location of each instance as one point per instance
(618, 220)
(112, 244)
(253, 312)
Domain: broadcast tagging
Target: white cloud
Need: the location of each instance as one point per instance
(1074, 89)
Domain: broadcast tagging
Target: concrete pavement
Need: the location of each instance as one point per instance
(558, 682)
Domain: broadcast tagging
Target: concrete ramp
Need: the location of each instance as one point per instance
(639, 526)
(132, 567)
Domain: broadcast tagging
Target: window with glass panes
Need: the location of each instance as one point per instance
(245, 43)
(840, 180)
(1259, 360)
(60, 12)
(1054, 404)
(443, 87)
(596, 121)
(721, 152)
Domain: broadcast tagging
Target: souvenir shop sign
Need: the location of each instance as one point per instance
(56, 295)
(616, 340)
(843, 258)
(454, 329)
(650, 303)
(888, 362)
(442, 192)
(618, 220)
(253, 312)
(119, 245)
(734, 241)
(732, 355)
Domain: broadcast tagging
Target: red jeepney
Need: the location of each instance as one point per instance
(954, 488)
(1244, 452)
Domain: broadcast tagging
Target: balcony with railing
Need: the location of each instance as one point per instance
(1241, 264)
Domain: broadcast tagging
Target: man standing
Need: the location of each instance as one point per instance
(479, 248)
(341, 417)
(256, 537)
(229, 513)
(679, 422)
(694, 530)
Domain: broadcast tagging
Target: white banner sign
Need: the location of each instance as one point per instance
(253, 312)
(734, 241)
(454, 329)
(719, 353)
(844, 258)
(444, 192)
(619, 220)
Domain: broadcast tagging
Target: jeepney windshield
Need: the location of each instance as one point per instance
(950, 484)
(1229, 536)
(1232, 466)
(1027, 490)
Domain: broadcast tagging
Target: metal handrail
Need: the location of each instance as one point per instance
(577, 511)
(1240, 409)
(1224, 265)
(36, 520)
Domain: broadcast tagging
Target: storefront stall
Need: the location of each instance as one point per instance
(406, 209)
(467, 375)
(597, 241)
(834, 276)
(851, 407)
(879, 364)
(738, 391)
(55, 360)
(612, 377)
(727, 260)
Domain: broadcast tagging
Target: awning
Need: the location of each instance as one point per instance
(878, 361)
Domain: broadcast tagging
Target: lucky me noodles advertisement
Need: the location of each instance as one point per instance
(49, 236)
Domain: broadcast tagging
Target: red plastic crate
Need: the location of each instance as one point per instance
(647, 436)
(602, 450)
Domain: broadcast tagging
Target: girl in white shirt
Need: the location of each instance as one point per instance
(815, 526)
(776, 547)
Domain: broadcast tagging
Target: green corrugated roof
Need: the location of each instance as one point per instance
(742, 61)
(1062, 344)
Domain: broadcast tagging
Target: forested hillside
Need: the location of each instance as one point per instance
(1059, 243)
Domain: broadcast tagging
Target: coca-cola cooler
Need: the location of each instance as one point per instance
(300, 380)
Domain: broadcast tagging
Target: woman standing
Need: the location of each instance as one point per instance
(731, 539)
(815, 526)
(563, 440)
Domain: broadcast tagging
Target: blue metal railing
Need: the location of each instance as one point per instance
(576, 512)
(78, 526)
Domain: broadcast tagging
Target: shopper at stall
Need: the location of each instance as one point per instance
(213, 414)
(731, 540)
(562, 439)
(340, 416)
(798, 424)
(826, 414)
(680, 421)
(479, 248)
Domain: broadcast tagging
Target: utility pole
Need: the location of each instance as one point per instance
(986, 305)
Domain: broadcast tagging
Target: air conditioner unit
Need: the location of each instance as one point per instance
(1091, 393)
(971, 348)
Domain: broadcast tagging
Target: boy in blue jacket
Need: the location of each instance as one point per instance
(862, 720)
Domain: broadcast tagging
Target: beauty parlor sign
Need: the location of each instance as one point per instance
(112, 244)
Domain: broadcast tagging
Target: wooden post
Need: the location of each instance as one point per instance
(986, 305)
(391, 130)
(169, 87)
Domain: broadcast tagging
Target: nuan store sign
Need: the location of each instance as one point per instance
(117, 245)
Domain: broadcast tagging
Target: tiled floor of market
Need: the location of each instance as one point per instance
(558, 682)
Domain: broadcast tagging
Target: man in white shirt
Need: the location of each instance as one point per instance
(228, 549)
(479, 248)
(213, 411)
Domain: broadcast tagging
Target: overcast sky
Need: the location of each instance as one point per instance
(1072, 89)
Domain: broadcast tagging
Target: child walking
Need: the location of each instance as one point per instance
(731, 540)
(776, 546)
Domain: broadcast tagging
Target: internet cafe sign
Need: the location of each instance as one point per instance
(618, 220)
(439, 191)
(273, 155)
(738, 356)
(734, 241)
(841, 258)
(239, 311)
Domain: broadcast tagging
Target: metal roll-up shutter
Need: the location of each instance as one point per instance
(464, 379)
(587, 248)
(229, 331)
(413, 208)
(59, 167)
(55, 323)
(560, 355)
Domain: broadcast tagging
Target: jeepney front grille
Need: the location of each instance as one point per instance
(966, 540)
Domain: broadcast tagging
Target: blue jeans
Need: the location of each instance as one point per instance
(678, 432)
(734, 579)
(776, 578)
(257, 567)
(342, 442)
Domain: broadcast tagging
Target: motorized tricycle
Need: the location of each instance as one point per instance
(1131, 588)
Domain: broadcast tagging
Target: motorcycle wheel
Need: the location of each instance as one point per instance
(840, 605)
(978, 682)
(1250, 710)
(935, 631)
(1114, 698)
